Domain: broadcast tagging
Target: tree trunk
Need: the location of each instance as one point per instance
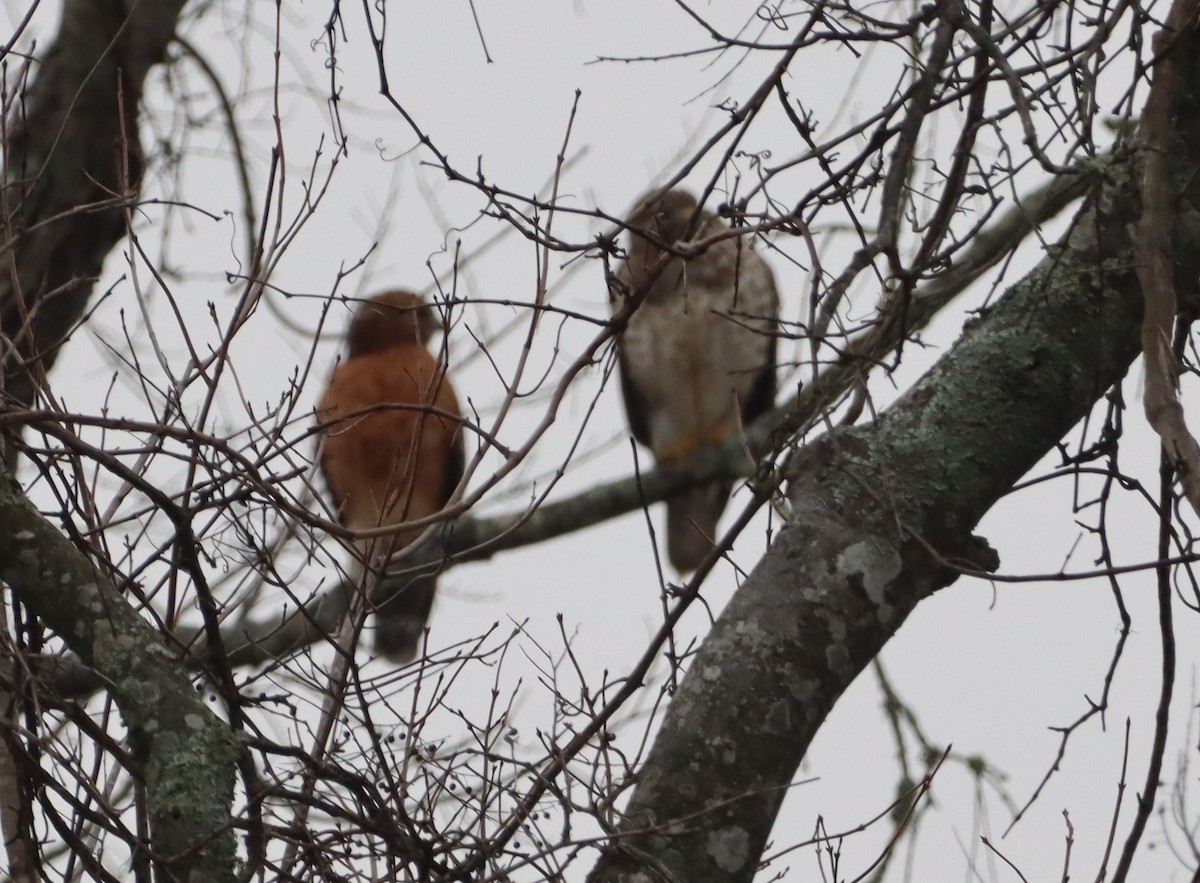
(73, 165)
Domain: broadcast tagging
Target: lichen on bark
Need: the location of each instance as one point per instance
(187, 754)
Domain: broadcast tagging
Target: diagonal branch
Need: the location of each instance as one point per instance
(878, 511)
(475, 539)
(187, 754)
(874, 516)
(72, 162)
(71, 144)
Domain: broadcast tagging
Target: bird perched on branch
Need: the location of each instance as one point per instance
(393, 448)
(698, 354)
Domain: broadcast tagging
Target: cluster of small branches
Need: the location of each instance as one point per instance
(191, 498)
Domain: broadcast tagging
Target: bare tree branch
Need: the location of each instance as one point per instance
(187, 753)
(72, 144)
(878, 512)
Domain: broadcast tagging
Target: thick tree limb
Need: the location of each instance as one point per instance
(75, 146)
(187, 753)
(880, 514)
(876, 512)
(72, 163)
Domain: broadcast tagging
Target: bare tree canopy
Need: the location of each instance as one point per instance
(879, 273)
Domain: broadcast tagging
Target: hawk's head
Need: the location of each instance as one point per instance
(667, 215)
(390, 318)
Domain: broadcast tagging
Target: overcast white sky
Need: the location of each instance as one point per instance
(987, 668)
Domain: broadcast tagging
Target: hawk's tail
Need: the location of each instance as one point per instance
(692, 523)
(400, 616)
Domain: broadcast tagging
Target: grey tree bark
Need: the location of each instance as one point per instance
(72, 168)
(882, 518)
(882, 515)
(187, 754)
